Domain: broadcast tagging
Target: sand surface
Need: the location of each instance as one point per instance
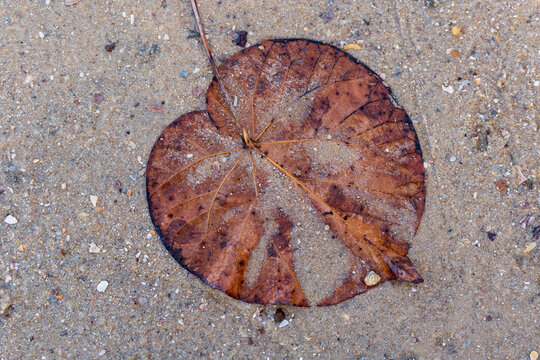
(77, 123)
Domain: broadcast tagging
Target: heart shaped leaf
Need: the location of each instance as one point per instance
(301, 184)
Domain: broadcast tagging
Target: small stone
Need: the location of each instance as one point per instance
(157, 108)
(10, 220)
(102, 286)
(452, 158)
(133, 177)
(197, 91)
(166, 37)
(99, 210)
(456, 30)
(203, 307)
(94, 249)
(372, 278)
(454, 53)
(533, 355)
(71, 2)
(184, 74)
(41, 35)
(102, 352)
(94, 200)
(129, 193)
(284, 323)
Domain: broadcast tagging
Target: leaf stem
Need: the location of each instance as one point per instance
(211, 58)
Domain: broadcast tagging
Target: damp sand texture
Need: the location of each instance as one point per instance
(86, 91)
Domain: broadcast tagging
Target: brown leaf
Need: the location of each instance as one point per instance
(320, 179)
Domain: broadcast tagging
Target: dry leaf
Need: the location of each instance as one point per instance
(320, 179)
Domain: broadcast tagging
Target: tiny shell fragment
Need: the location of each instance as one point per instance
(94, 199)
(372, 278)
(530, 247)
(71, 2)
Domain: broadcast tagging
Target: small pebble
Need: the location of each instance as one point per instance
(456, 30)
(203, 307)
(166, 37)
(284, 323)
(184, 74)
(452, 158)
(133, 177)
(157, 108)
(533, 355)
(372, 278)
(11, 220)
(197, 91)
(102, 286)
(41, 35)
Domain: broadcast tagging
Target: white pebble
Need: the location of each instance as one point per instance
(132, 19)
(452, 158)
(189, 156)
(41, 35)
(166, 37)
(284, 323)
(102, 286)
(10, 220)
(196, 70)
